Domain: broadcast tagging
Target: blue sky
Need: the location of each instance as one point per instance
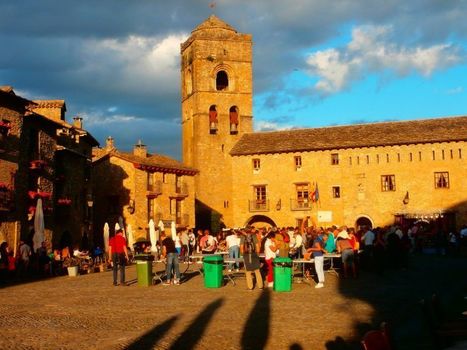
(116, 64)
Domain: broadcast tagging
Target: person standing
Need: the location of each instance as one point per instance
(317, 248)
(249, 248)
(169, 252)
(24, 256)
(118, 255)
(233, 246)
(270, 252)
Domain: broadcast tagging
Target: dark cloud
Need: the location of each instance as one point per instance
(113, 54)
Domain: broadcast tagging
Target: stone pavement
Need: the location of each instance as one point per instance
(87, 312)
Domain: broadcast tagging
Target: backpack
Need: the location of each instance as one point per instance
(249, 246)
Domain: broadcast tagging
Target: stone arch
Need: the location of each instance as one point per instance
(363, 220)
(260, 219)
(213, 119)
(233, 116)
(223, 78)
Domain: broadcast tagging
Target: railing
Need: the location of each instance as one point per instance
(259, 205)
(182, 219)
(154, 189)
(181, 189)
(6, 199)
(300, 204)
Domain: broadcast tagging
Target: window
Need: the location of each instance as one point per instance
(387, 157)
(350, 160)
(442, 154)
(460, 153)
(298, 162)
(367, 159)
(442, 179)
(150, 182)
(336, 192)
(259, 202)
(233, 115)
(452, 154)
(410, 156)
(334, 158)
(388, 183)
(222, 81)
(433, 154)
(399, 157)
(256, 164)
(213, 119)
(303, 195)
(164, 178)
(260, 192)
(420, 156)
(358, 160)
(377, 159)
(151, 208)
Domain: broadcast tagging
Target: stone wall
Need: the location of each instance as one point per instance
(358, 175)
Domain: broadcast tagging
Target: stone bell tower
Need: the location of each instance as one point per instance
(217, 94)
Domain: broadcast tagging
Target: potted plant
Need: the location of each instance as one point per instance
(72, 265)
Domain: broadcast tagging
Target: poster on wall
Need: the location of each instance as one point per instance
(324, 216)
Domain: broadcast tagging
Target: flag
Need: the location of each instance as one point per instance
(315, 194)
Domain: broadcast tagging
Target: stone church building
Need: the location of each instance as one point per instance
(371, 174)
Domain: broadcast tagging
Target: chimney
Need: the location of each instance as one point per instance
(109, 143)
(140, 150)
(78, 122)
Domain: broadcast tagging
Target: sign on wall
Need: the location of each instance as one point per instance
(324, 216)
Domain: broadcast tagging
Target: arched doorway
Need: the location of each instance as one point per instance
(363, 221)
(260, 221)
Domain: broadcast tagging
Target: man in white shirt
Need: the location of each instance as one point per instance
(233, 245)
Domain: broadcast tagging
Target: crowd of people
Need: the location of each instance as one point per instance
(253, 249)
(370, 249)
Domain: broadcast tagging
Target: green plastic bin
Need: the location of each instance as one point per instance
(282, 274)
(144, 269)
(213, 271)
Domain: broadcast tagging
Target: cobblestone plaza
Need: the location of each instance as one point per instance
(87, 312)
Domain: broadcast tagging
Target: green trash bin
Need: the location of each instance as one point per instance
(144, 269)
(213, 271)
(282, 274)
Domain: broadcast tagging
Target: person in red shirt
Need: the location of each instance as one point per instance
(118, 255)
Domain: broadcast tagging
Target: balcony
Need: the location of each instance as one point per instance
(181, 191)
(258, 205)
(154, 190)
(182, 220)
(300, 204)
(6, 198)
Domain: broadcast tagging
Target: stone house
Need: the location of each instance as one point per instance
(43, 156)
(373, 174)
(132, 188)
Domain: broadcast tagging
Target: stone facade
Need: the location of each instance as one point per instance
(43, 156)
(132, 188)
(384, 173)
(216, 71)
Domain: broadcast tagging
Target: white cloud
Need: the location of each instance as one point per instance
(455, 91)
(264, 125)
(94, 119)
(137, 61)
(373, 50)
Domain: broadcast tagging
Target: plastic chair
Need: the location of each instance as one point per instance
(375, 340)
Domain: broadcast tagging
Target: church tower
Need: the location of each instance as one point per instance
(217, 94)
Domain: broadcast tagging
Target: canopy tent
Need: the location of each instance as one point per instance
(152, 236)
(106, 237)
(38, 226)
